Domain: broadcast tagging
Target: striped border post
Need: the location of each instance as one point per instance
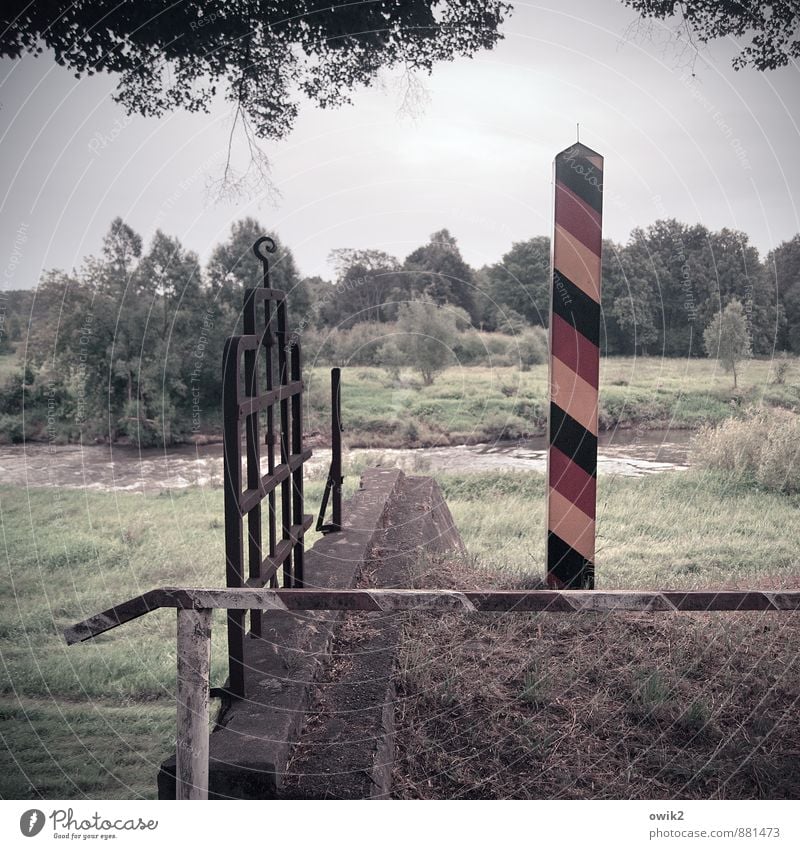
(574, 368)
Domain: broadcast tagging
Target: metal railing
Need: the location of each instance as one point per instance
(195, 608)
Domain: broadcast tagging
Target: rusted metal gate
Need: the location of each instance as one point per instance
(262, 377)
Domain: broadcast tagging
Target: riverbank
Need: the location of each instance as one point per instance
(71, 553)
(483, 405)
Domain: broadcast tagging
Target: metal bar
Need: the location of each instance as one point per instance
(194, 660)
(115, 616)
(254, 550)
(264, 293)
(285, 437)
(270, 482)
(270, 438)
(234, 545)
(488, 601)
(297, 475)
(267, 399)
(333, 484)
(323, 507)
(574, 368)
(336, 446)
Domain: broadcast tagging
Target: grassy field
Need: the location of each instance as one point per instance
(96, 719)
(479, 404)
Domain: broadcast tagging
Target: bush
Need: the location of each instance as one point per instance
(532, 347)
(763, 447)
(469, 349)
(427, 334)
(11, 429)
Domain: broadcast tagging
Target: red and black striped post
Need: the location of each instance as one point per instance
(574, 368)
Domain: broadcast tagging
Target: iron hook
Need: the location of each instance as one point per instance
(268, 245)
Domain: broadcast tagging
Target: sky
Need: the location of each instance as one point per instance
(684, 136)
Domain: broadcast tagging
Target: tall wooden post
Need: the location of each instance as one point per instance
(194, 659)
(574, 368)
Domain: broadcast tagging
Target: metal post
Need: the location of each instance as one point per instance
(335, 479)
(297, 474)
(284, 376)
(574, 368)
(254, 554)
(234, 543)
(194, 661)
(336, 446)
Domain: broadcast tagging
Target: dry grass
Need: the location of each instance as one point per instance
(592, 706)
(763, 448)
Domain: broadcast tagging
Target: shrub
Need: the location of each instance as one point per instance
(532, 347)
(427, 334)
(763, 447)
(727, 337)
(469, 349)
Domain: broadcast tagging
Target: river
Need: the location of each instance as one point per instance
(121, 468)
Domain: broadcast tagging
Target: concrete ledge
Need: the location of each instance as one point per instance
(347, 749)
(250, 746)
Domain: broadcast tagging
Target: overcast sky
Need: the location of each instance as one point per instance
(718, 148)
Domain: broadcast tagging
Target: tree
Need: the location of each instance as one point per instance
(366, 280)
(268, 55)
(636, 307)
(521, 281)
(612, 338)
(782, 276)
(233, 267)
(438, 272)
(726, 337)
(426, 335)
(773, 27)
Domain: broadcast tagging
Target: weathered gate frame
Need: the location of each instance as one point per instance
(266, 330)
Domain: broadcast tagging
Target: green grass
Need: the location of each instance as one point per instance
(482, 404)
(68, 554)
(682, 529)
(479, 404)
(96, 719)
(56, 749)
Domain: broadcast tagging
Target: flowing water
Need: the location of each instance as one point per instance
(121, 468)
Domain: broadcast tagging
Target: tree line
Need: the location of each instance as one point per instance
(130, 344)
